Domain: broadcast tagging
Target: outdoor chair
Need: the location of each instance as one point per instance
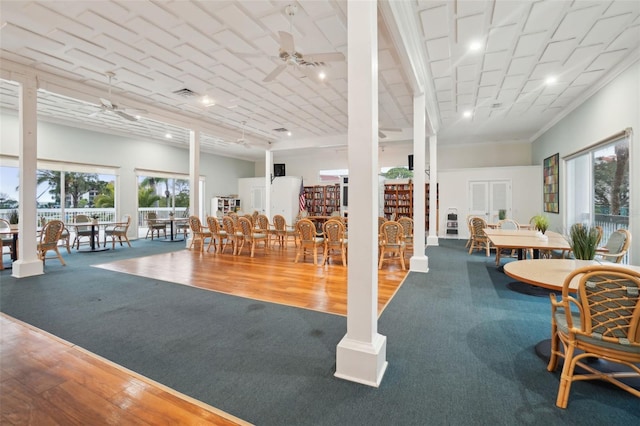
(616, 247)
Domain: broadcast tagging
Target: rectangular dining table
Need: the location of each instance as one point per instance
(522, 239)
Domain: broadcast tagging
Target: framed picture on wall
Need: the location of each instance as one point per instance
(551, 172)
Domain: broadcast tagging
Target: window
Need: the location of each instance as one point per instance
(598, 185)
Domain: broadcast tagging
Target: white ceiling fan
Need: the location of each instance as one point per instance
(310, 65)
(106, 105)
(242, 141)
(382, 130)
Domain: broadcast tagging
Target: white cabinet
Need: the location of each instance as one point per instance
(224, 204)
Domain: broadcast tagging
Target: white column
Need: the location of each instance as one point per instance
(28, 263)
(432, 240)
(419, 261)
(268, 167)
(194, 176)
(361, 354)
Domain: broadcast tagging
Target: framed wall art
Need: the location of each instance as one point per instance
(551, 172)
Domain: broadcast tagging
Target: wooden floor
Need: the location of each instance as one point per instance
(47, 381)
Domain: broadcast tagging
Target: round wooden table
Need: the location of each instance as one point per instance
(550, 273)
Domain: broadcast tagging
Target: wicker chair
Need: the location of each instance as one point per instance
(478, 237)
(218, 235)
(118, 232)
(49, 240)
(83, 231)
(605, 324)
(407, 228)
(154, 226)
(507, 224)
(391, 242)
(334, 239)
(308, 239)
(198, 233)
(252, 236)
(234, 235)
(7, 240)
(283, 232)
(616, 247)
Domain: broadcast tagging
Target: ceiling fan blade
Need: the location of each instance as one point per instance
(125, 115)
(390, 129)
(276, 72)
(324, 57)
(106, 103)
(381, 135)
(311, 73)
(286, 42)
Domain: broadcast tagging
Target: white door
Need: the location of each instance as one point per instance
(488, 197)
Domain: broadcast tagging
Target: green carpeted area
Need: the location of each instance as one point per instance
(460, 346)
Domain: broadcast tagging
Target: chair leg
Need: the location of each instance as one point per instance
(565, 378)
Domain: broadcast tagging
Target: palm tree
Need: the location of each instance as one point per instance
(147, 197)
(106, 198)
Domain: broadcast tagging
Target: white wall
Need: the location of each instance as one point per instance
(526, 193)
(309, 163)
(67, 144)
(612, 109)
(285, 191)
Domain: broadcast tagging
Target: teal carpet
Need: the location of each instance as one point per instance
(460, 346)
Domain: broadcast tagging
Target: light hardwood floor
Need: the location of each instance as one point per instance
(47, 381)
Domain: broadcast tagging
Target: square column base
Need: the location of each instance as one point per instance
(432, 240)
(27, 268)
(419, 264)
(362, 362)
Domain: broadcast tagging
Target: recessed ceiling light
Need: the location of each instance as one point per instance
(467, 114)
(550, 80)
(289, 133)
(322, 75)
(168, 136)
(474, 46)
(207, 101)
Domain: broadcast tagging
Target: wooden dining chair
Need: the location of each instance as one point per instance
(601, 322)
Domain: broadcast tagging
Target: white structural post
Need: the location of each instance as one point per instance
(28, 263)
(361, 354)
(194, 176)
(268, 167)
(419, 261)
(432, 239)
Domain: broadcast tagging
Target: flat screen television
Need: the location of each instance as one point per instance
(278, 170)
(410, 161)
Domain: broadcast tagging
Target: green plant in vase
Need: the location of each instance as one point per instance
(502, 214)
(14, 217)
(541, 223)
(583, 241)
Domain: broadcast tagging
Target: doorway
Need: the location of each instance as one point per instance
(488, 197)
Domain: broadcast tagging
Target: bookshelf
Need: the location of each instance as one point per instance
(224, 204)
(398, 201)
(322, 200)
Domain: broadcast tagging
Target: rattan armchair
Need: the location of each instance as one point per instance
(118, 232)
(391, 242)
(283, 232)
(84, 231)
(407, 228)
(602, 322)
(252, 236)
(49, 240)
(198, 233)
(234, 235)
(478, 237)
(308, 240)
(218, 235)
(616, 247)
(7, 240)
(154, 226)
(334, 240)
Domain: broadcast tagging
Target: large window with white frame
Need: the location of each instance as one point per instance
(597, 185)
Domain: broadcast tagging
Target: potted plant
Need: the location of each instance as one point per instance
(541, 223)
(583, 241)
(95, 218)
(502, 214)
(13, 217)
